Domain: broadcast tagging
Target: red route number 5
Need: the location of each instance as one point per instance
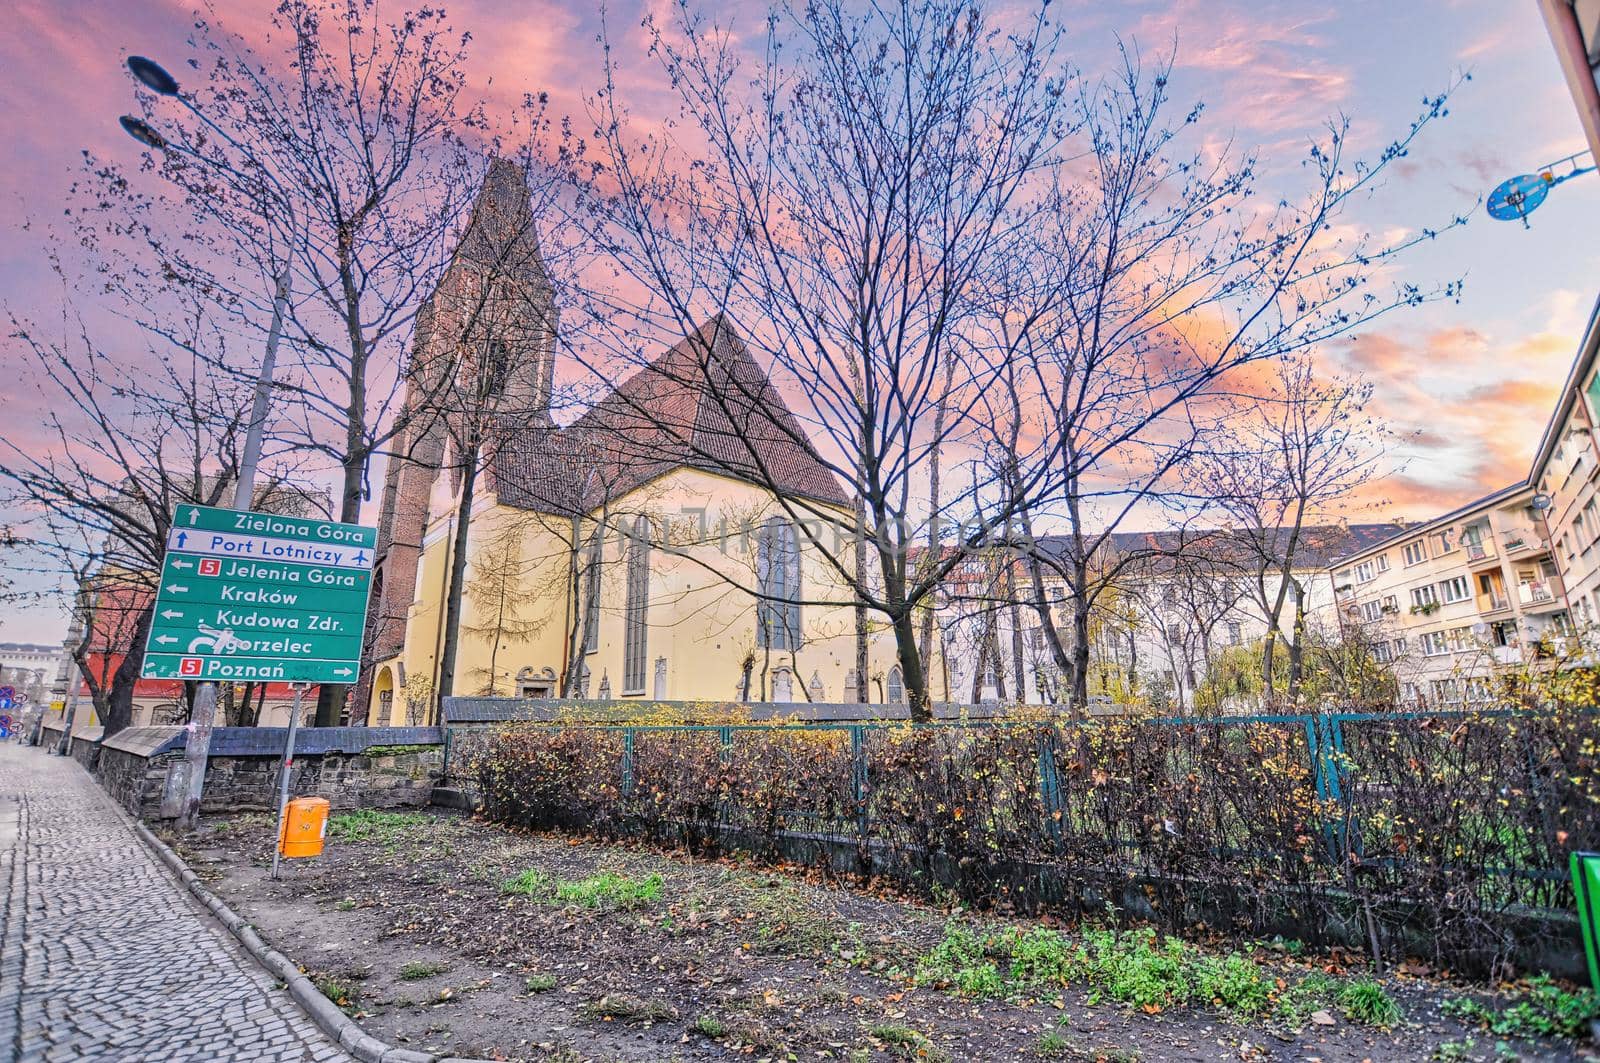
(210, 566)
(189, 666)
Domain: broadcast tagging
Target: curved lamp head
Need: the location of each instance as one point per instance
(140, 130)
(152, 75)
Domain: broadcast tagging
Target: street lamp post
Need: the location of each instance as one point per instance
(153, 76)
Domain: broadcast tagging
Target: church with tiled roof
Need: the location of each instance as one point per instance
(640, 552)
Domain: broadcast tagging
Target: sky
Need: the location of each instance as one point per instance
(1470, 382)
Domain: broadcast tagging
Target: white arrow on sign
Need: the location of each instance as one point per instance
(171, 614)
(179, 562)
(173, 588)
(164, 639)
(342, 671)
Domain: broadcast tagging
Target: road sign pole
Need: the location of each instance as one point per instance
(68, 711)
(197, 750)
(283, 774)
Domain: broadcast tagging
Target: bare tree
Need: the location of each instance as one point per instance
(1183, 598)
(1295, 454)
(499, 591)
(1168, 283)
(834, 208)
(129, 438)
(310, 190)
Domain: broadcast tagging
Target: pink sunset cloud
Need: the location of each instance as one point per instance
(1467, 383)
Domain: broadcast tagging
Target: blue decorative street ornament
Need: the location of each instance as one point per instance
(1514, 199)
(1517, 198)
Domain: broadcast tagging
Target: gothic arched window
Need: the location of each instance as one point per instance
(496, 367)
(637, 609)
(896, 686)
(778, 582)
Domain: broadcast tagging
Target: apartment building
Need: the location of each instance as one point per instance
(1447, 602)
(1564, 481)
(1509, 580)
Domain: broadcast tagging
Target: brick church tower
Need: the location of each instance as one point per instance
(483, 361)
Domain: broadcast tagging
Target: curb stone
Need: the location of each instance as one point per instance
(339, 1027)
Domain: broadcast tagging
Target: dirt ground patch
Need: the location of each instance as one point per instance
(449, 934)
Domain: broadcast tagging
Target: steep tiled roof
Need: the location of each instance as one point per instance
(703, 404)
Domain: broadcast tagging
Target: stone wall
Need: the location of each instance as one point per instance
(143, 768)
(135, 764)
(390, 778)
(86, 747)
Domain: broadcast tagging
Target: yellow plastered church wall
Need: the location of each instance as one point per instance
(701, 622)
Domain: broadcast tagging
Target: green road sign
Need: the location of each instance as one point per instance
(250, 620)
(204, 518)
(254, 596)
(228, 642)
(186, 578)
(247, 669)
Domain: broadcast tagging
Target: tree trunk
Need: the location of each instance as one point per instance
(1269, 645)
(1297, 646)
(1014, 614)
(863, 659)
(1079, 674)
(1041, 605)
(119, 705)
(916, 681)
(331, 697)
(577, 582)
(926, 644)
(458, 573)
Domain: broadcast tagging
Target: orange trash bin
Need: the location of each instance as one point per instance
(305, 824)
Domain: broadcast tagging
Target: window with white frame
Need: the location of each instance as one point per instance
(1445, 692)
(1434, 644)
(1235, 632)
(1456, 589)
(1409, 693)
(1415, 552)
(1423, 597)
(1478, 688)
(1391, 604)
(1382, 562)
(1371, 612)
(1381, 654)
(1460, 638)
(1366, 572)
(1400, 646)
(1443, 542)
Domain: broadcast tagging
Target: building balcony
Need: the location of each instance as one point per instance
(1494, 603)
(1538, 595)
(1506, 655)
(1525, 545)
(1480, 554)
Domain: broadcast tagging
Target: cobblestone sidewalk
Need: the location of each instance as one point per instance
(103, 955)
